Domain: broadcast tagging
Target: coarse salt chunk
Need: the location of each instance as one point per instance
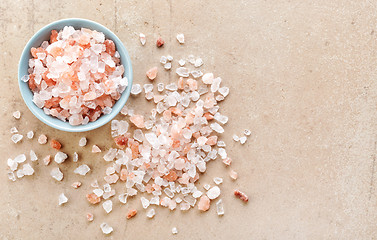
(224, 91)
(204, 203)
(142, 38)
(151, 212)
(82, 142)
(181, 62)
(208, 78)
(56, 174)
(220, 207)
(233, 174)
(60, 157)
(17, 114)
(236, 138)
(206, 186)
(247, 132)
(99, 192)
(216, 127)
(106, 228)
(62, 199)
(213, 192)
(96, 149)
(20, 158)
(123, 198)
(182, 72)
(136, 89)
(30, 134)
(181, 38)
(76, 185)
(33, 156)
(167, 66)
(243, 139)
(42, 139)
(16, 138)
(46, 160)
(27, 169)
(75, 157)
(108, 206)
(90, 217)
(241, 195)
(12, 164)
(144, 202)
(198, 62)
(82, 170)
(218, 180)
(13, 130)
(152, 73)
(174, 230)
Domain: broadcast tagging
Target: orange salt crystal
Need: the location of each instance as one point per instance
(233, 174)
(196, 135)
(53, 36)
(55, 144)
(32, 84)
(110, 47)
(176, 144)
(176, 111)
(131, 213)
(227, 161)
(181, 83)
(121, 141)
(208, 116)
(56, 51)
(241, 195)
(167, 115)
(53, 102)
(152, 73)
(93, 198)
(134, 148)
(138, 120)
(34, 51)
(76, 184)
(204, 203)
(212, 140)
(123, 174)
(193, 84)
(171, 177)
(90, 217)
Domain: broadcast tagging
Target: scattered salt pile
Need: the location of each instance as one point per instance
(76, 76)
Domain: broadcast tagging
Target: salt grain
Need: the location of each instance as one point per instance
(106, 229)
(30, 134)
(16, 138)
(151, 213)
(233, 174)
(182, 72)
(108, 206)
(220, 207)
(213, 193)
(181, 62)
(62, 199)
(46, 160)
(56, 174)
(60, 157)
(181, 38)
(142, 39)
(144, 202)
(174, 230)
(82, 170)
(27, 169)
(20, 158)
(33, 156)
(236, 138)
(96, 149)
(82, 142)
(136, 89)
(247, 132)
(218, 180)
(17, 114)
(243, 139)
(13, 130)
(75, 157)
(198, 62)
(42, 139)
(123, 198)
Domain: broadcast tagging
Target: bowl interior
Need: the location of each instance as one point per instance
(43, 35)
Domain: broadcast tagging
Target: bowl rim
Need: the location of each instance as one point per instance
(91, 125)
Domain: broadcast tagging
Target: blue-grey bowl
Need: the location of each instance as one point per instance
(44, 35)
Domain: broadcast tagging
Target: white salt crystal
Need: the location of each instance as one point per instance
(25, 78)
(138, 135)
(213, 193)
(172, 87)
(27, 169)
(142, 38)
(75, 157)
(144, 202)
(82, 170)
(82, 142)
(16, 138)
(107, 110)
(247, 132)
(136, 89)
(182, 72)
(198, 62)
(20, 173)
(224, 91)
(62, 199)
(107, 187)
(220, 118)
(191, 59)
(148, 88)
(243, 139)
(20, 158)
(17, 114)
(218, 180)
(96, 149)
(123, 198)
(160, 87)
(155, 200)
(99, 192)
(33, 156)
(208, 78)
(42, 139)
(167, 66)
(181, 62)
(163, 60)
(181, 38)
(13, 130)
(215, 84)
(110, 155)
(94, 184)
(222, 153)
(108, 206)
(60, 157)
(174, 230)
(106, 228)
(184, 206)
(216, 127)
(236, 138)
(57, 174)
(108, 195)
(206, 186)
(220, 207)
(151, 212)
(170, 58)
(30, 134)
(197, 194)
(12, 164)
(196, 73)
(11, 176)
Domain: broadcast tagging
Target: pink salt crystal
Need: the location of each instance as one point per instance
(138, 120)
(152, 73)
(212, 140)
(201, 140)
(111, 178)
(204, 203)
(42, 139)
(46, 160)
(96, 149)
(76, 184)
(89, 217)
(227, 161)
(193, 84)
(233, 174)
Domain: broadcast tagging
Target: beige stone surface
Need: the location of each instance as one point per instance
(302, 76)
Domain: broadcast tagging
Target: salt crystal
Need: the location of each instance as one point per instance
(216, 127)
(213, 192)
(142, 39)
(33, 156)
(108, 195)
(136, 89)
(184, 206)
(247, 132)
(191, 59)
(96, 149)
(60, 157)
(198, 62)
(196, 73)
(123, 198)
(167, 66)
(233, 175)
(42, 139)
(206, 186)
(46, 160)
(20, 158)
(106, 228)
(151, 212)
(220, 207)
(174, 230)
(236, 138)
(110, 155)
(155, 200)
(13, 130)
(160, 87)
(148, 88)
(144, 202)
(138, 135)
(197, 194)
(107, 187)
(208, 78)
(89, 217)
(218, 180)
(181, 38)
(20, 173)
(220, 118)
(163, 60)
(76, 185)
(11, 176)
(243, 139)
(224, 91)
(12, 164)
(182, 72)
(94, 184)
(107, 110)
(56, 174)
(222, 153)
(16, 138)
(17, 114)
(108, 206)
(25, 78)
(82, 142)
(30, 134)
(151, 74)
(62, 199)
(75, 157)
(181, 62)
(215, 84)
(27, 169)
(82, 170)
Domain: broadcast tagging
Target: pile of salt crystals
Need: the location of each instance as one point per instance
(171, 147)
(77, 76)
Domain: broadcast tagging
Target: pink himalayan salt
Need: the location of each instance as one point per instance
(138, 120)
(152, 73)
(227, 161)
(42, 139)
(89, 217)
(233, 174)
(204, 203)
(111, 178)
(46, 160)
(96, 149)
(76, 185)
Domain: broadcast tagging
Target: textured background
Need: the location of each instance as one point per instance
(302, 78)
